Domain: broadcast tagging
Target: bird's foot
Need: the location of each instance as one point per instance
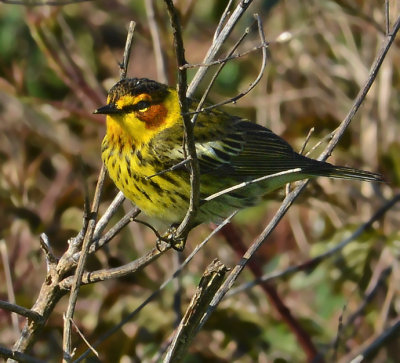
(176, 242)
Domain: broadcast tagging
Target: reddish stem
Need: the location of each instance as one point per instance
(234, 240)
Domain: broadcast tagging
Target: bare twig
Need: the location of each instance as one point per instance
(368, 353)
(84, 339)
(187, 329)
(127, 218)
(44, 2)
(18, 356)
(33, 315)
(190, 148)
(320, 142)
(227, 58)
(9, 284)
(363, 91)
(172, 168)
(80, 268)
(128, 46)
(106, 217)
(199, 107)
(350, 322)
(48, 251)
(218, 42)
(92, 223)
(156, 40)
(246, 183)
(222, 19)
(336, 341)
(306, 140)
(117, 272)
(264, 46)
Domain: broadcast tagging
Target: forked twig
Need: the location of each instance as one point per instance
(156, 292)
(263, 47)
(218, 42)
(199, 107)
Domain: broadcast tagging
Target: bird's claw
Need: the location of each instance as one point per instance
(170, 237)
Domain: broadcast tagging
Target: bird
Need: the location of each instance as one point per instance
(144, 155)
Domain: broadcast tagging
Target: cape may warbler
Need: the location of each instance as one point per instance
(144, 139)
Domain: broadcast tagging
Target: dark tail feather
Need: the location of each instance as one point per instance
(342, 172)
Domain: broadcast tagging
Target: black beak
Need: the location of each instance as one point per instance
(107, 109)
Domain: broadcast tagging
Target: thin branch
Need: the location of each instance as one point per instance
(172, 168)
(18, 356)
(128, 46)
(44, 2)
(218, 42)
(227, 58)
(306, 140)
(378, 343)
(190, 148)
(350, 322)
(67, 348)
(9, 283)
(222, 20)
(84, 339)
(161, 64)
(117, 272)
(321, 141)
(253, 181)
(109, 213)
(264, 46)
(48, 251)
(199, 106)
(112, 232)
(20, 310)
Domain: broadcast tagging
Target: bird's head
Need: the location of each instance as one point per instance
(141, 107)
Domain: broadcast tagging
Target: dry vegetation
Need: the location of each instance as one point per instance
(56, 64)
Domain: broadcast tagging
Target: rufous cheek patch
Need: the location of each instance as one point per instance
(154, 116)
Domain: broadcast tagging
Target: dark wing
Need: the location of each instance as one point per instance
(243, 149)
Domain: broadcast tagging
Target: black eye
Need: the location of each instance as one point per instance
(141, 105)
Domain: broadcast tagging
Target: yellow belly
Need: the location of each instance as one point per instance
(165, 196)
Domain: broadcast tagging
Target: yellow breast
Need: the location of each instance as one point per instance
(165, 196)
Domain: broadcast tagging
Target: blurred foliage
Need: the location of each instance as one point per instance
(56, 64)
